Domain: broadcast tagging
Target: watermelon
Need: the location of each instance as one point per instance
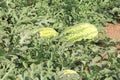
(46, 32)
(79, 32)
(68, 75)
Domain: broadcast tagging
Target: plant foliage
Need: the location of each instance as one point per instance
(24, 56)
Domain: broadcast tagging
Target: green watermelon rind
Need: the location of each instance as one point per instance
(79, 32)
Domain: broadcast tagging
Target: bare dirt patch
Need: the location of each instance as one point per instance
(113, 31)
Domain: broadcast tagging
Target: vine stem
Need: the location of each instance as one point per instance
(7, 73)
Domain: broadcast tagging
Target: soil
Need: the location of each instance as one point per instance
(113, 31)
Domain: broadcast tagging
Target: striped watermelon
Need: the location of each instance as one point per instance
(79, 32)
(46, 32)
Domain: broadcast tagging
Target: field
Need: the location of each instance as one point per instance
(42, 40)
